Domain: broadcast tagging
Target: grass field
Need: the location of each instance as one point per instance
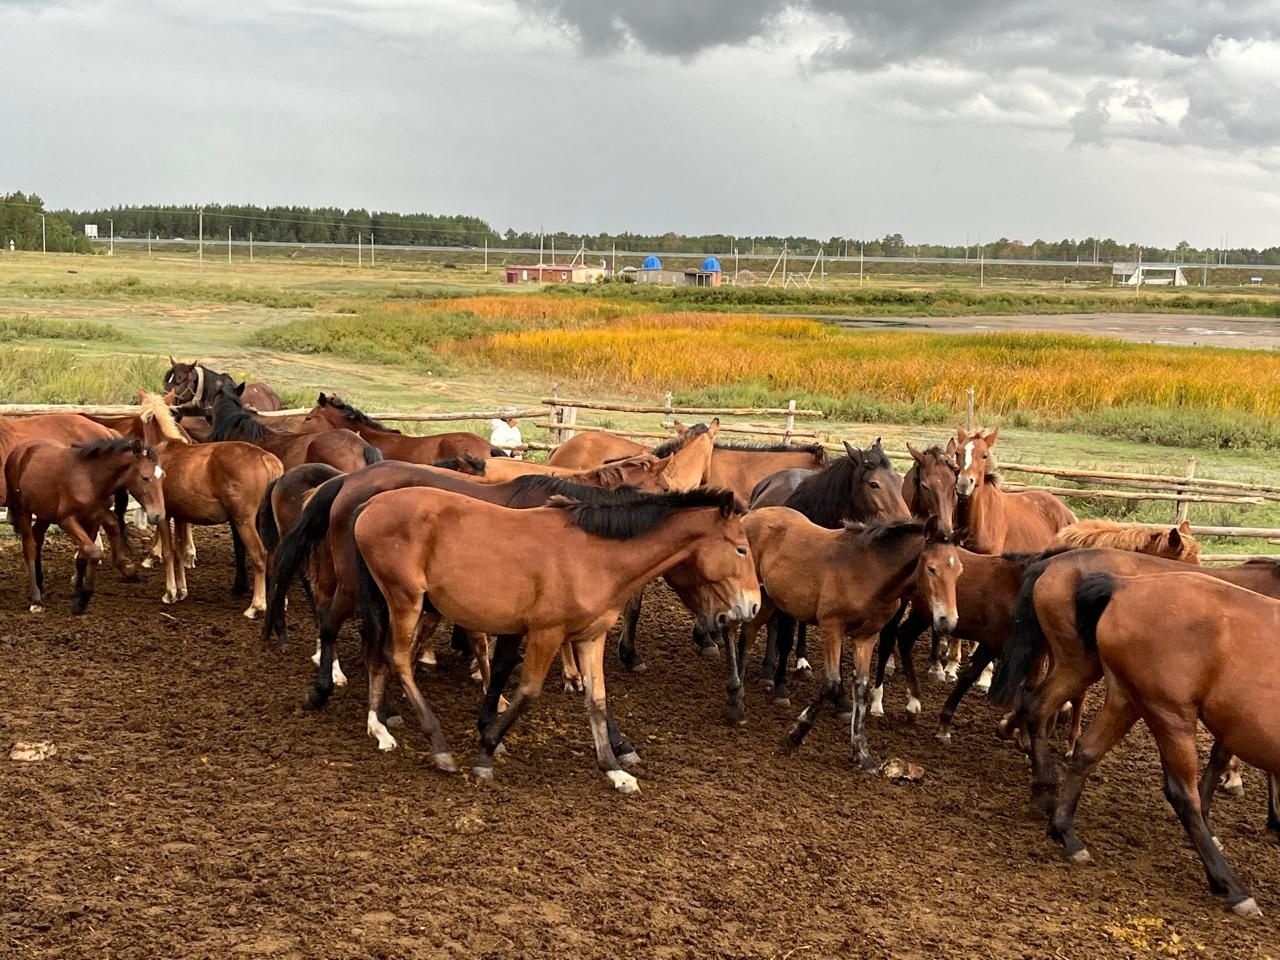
(397, 337)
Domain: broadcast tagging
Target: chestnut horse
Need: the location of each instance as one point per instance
(194, 383)
(591, 448)
(338, 448)
(207, 484)
(1179, 649)
(850, 580)
(645, 472)
(988, 594)
(1045, 633)
(71, 485)
(740, 466)
(332, 412)
(565, 570)
(62, 427)
(994, 520)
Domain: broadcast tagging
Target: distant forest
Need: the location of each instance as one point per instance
(338, 225)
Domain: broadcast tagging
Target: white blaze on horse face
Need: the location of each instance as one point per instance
(968, 455)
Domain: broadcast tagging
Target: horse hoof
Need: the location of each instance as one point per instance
(734, 716)
(803, 666)
(766, 686)
(845, 715)
(182, 594)
(710, 651)
(623, 782)
(252, 613)
(877, 710)
(148, 563)
(936, 673)
(944, 736)
(982, 686)
(1246, 908)
(1234, 790)
(629, 760)
(782, 701)
(913, 707)
(339, 678)
(169, 598)
(35, 608)
(483, 773)
(444, 762)
(868, 763)
(428, 658)
(638, 667)
(1080, 857)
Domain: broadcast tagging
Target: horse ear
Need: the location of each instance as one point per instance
(713, 428)
(952, 447)
(916, 455)
(1184, 528)
(172, 362)
(962, 435)
(322, 400)
(853, 452)
(1175, 539)
(240, 389)
(990, 438)
(681, 429)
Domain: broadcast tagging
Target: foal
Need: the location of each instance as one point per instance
(72, 486)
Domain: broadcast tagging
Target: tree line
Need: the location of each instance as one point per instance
(20, 215)
(301, 224)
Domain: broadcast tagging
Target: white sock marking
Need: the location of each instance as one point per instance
(913, 705)
(877, 702)
(623, 781)
(339, 678)
(379, 732)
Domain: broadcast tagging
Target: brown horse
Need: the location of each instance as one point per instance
(62, 427)
(994, 520)
(850, 580)
(72, 485)
(194, 383)
(929, 488)
(592, 448)
(1045, 633)
(566, 571)
(1179, 649)
(988, 594)
(332, 412)
(342, 449)
(645, 473)
(740, 466)
(207, 484)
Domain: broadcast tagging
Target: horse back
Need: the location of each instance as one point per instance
(261, 397)
(590, 449)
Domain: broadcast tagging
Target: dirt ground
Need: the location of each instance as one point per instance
(194, 809)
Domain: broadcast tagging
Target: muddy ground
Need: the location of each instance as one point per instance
(195, 810)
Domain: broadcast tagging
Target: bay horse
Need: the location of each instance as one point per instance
(929, 488)
(62, 427)
(342, 449)
(194, 383)
(208, 484)
(860, 487)
(740, 466)
(994, 520)
(591, 448)
(1179, 649)
(1045, 632)
(72, 485)
(645, 472)
(566, 570)
(332, 412)
(987, 596)
(850, 580)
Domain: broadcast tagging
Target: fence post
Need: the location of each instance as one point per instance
(791, 420)
(668, 418)
(556, 412)
(1184, 506)
(969, 412)
(569, 415)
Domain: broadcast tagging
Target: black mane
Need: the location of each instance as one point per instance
(826, 497)
(887, 533)
(538, 488)
(354, 415)
(643, 513)
(92, 449)
(231, 421)
(815, 450)
(457, 463)
(668, 447)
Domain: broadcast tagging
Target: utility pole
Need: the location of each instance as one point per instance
(251, 246)
(200, 239)
(148, 244)
(228, 246)
(44, 244)
(359, 249)
(615, 258)
(982, 265)
(486, 254)
(373, 257)
(111, 248)
(862, 256)
(542, 243)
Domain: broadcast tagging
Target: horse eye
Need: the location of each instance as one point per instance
(933, 571)
(874, 485)
(742, 551)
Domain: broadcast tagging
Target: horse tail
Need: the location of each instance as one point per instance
(372, 454)
(295, 548)
(371, 607)
(1092, 597)
(495, 452)
(265, 523)
(1026, 643)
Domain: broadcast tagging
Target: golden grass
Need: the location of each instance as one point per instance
(1046, 373)
(534, 309)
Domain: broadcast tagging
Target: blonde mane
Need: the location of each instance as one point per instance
(1133, 537)
(154, 408)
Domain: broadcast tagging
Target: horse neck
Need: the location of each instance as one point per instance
(649, 555)
(983, 516)
(898, 560)
(111, 472)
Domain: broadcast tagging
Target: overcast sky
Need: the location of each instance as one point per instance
(939, 119)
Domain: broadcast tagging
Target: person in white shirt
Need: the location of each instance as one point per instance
(504, 432)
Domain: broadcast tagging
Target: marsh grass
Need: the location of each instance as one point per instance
(52, 375)
(35, 328)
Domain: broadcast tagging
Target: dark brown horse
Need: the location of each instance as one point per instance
(194, 383)
(850, 580)
(342, 449)
(1177, 650)
(929, 488)
(332, 412)
(566, 571)
(1045, 633)
(994, 520)
(73, 486)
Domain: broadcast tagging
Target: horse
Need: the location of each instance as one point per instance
(63, 427)
(565, 570)
(740, 466)
(994, 520)
(645, 473)
(71, 485)
(591, 448)
(194, 383)
(342, 449)
(988, 594)
(1178, 649)
(332, 412)
(849, 580)
(207, 484)
(1045, 631)
(862, 487)
(283, 500)
(929, 488)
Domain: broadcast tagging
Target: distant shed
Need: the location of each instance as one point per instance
(554, 273)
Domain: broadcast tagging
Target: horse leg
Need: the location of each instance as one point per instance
(571, 669)
(30, 554)
(1114, 720)
(38, 531)
(907, 641)
(240, 585)
(978, 664)
(164, 537)
(785, 630)
(1273, 798)
(627, 655)
(377, 666)
(622, 747)
(862, 649)
(590, 654)
(735, 710)
(188, 547)
(937, 667)
(155, 553)
(769, 662)
(540, 650)
(121, 557)
(181, 530)
(1039, 709)
(1176, 738)
(88, 556)
(832, 642)
(895, 631)
(423, 648)
(1232, 779)
(328, 671)
(252, 550)
(404, 629)
(802, 649)
(506, 657)
(1220, 759)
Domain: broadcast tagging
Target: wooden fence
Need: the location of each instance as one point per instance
(559, 415)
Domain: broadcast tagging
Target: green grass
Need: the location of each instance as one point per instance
(40, 375)
(33, 328)
(133, 287)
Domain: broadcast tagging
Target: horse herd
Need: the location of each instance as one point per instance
(529, 561)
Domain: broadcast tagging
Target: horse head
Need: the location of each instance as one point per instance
(932, 484)
(876, 486)
(977, 459)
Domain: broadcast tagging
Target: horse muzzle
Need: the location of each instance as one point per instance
(945, 621)
(965, 486)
